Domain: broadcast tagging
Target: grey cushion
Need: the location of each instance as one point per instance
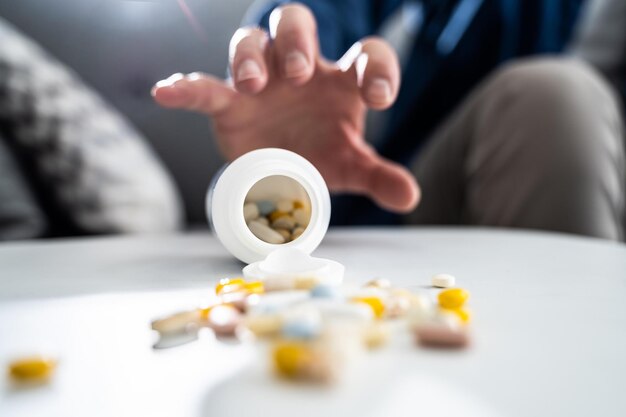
(121, 48)
(96, 167)
(20, 215)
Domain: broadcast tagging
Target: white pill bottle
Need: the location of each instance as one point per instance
(268, 174)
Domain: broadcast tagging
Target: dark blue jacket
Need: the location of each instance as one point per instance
(459, 42)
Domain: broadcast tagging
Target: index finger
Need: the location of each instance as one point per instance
(294, 32)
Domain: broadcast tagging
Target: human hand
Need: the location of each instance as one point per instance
(285, 95)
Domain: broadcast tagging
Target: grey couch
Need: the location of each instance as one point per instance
(122, 47)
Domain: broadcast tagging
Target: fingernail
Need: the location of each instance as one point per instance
(194, 76)
(163, 84)
(296, 64)
(169, 81)
(248, 70)
(379, 91)
(174, 91)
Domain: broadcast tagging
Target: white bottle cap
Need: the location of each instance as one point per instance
(285, 175)
(290, 263)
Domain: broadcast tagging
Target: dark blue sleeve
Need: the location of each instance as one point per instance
(340, 22)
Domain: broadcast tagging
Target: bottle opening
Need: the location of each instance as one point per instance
(277, 209)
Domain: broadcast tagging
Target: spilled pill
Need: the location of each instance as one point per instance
(32, 368)
(229, 283)
(442, 336)
(254, 287)
(443, 281)
(301, 328)
(264, 325)
(224, 319)
(178, 322)
(300, 360)
(340, 311)
(379, 283)
(452, 298)
(291, 358)
(325, 291)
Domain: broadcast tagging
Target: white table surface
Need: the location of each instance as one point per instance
(549, 333)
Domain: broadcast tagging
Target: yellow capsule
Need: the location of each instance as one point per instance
(453, 298)
(298, 204)
(254, 287)
(276, 214)
(375, 303)
(229, 285)
(464, 315)
(291, 358)
(32, 368)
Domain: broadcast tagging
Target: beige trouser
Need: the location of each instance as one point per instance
(538, 145)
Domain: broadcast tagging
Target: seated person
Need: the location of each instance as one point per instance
(494, 130)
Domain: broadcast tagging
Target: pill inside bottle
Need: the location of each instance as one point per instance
(277, 209)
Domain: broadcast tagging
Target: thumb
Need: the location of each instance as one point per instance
(389, 184)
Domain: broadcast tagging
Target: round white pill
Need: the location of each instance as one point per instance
(443, 281)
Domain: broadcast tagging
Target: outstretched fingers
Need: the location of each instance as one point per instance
(377, 70)
(247, 60)
(197, 92)
(294, 33)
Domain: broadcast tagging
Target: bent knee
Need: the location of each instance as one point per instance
(563, 84)
(561, 106)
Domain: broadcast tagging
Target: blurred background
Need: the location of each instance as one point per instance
(85, 150)
(122, 47)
